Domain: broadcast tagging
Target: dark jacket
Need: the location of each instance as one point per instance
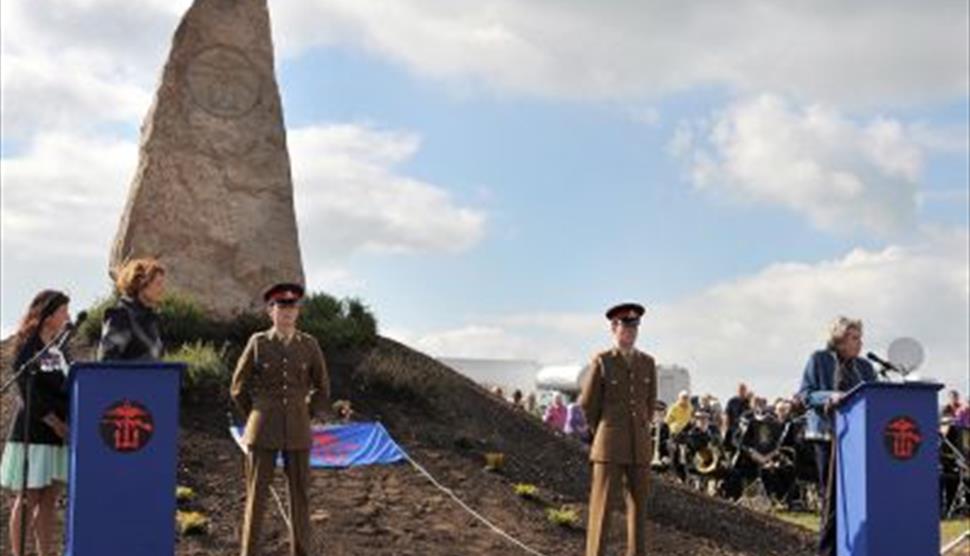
(130, 333)
(48, 394)
(818, 381)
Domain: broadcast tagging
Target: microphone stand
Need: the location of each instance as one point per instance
(28, 369)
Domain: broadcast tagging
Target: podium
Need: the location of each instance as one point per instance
(124, 433)
(887, 472)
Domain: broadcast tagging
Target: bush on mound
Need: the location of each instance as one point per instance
(336, 323)
(207, 369)
(181, 320)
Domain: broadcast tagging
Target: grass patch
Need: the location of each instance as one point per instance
(184, 494)
(191, 523)
(805, 520)
(563, 517)
(949, 529)
(953, 528)
(494, 461)
(527, 491)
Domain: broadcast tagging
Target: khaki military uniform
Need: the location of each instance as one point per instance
(618, 398)
(278, 385)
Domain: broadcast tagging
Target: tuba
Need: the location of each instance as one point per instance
(707, 458)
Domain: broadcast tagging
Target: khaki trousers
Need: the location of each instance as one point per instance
(260, 464)
(607, 480)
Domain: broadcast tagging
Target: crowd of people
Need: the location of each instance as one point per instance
(749, 444)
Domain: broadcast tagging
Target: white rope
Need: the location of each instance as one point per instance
(279, 505)
(964, 537)
(441, 487)
(468, 509)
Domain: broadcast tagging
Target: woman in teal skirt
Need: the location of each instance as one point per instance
(47, 429)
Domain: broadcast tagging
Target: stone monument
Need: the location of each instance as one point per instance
(212, 196)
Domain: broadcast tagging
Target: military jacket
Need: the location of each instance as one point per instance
(619, 398)
(279, 386)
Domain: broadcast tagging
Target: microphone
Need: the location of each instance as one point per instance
(69, 329)
(885, 364)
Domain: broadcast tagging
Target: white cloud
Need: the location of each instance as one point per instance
(63, 196)
(950, 139)
(761, 328)
(76, 65)
(872, 53)
(841, 174)
(350, 196)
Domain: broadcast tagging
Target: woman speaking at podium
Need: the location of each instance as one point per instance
(829, 374)
(130, 328)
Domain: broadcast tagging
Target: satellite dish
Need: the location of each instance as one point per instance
(906, 354)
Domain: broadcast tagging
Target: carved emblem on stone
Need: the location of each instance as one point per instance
(224, 82)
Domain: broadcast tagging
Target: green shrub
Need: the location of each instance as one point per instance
(90, 329)
(238, 330)
(182, 320)
(563, 517)
(206, 367)
(338, 324)
(191, 523)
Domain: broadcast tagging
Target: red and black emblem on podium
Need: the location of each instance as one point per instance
(903, 438)
(127, 426)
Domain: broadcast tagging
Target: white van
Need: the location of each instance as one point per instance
(568, 379)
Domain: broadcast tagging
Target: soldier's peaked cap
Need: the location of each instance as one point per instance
(283, 291)
(625, 308)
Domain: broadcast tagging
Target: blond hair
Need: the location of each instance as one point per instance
(136, 274)
(840, 327)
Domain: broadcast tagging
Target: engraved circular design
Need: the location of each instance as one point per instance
(224, 82)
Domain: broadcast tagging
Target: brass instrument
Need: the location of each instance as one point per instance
(657, 463)
(707, 458)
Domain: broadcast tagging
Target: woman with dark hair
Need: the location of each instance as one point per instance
(46, 428)
(130, 328)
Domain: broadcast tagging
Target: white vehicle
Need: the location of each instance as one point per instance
(568, 379)
(507, 374)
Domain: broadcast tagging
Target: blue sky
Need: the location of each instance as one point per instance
(745, 186)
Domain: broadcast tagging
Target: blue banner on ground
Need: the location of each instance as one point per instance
(349, 445)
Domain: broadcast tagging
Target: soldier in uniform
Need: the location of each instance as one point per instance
(619, 396)
(279, 384)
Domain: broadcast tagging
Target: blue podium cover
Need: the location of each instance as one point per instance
(347, 445)
(124, 433)
(888, 471)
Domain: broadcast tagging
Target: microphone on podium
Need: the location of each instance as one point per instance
(884, 364)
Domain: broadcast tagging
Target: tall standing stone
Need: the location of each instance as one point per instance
(212, 195)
